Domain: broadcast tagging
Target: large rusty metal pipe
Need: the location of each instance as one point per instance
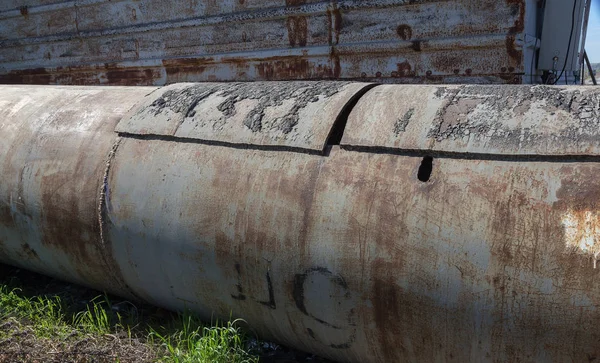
(454, 223)
(54, 147)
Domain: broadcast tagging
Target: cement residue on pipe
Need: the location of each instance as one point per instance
(297, 115)
(184, 101)
(514, 114)
(401, 124)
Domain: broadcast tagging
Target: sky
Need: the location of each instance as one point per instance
(592, 43)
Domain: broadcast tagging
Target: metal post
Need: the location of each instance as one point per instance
(589, 66)
(586, 17)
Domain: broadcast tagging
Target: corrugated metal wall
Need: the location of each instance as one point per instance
(153, 42)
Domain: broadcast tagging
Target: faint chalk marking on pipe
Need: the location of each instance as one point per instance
(582, 231)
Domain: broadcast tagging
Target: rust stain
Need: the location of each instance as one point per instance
(273, 68)
(336, 63)
(388, 318)
(405, 70)
(65, 226)
(27, 76)
(109, 73)
(241, 265)
(390, 302)
(530, 236)
(512, 49)
(377, 246)
(404, 31)
(24, 10)
(184, 68)
(330, 26)
(125, 77)
(293, 68)
(580, 189)
(334, 16)
(417, 45)
(297, 27)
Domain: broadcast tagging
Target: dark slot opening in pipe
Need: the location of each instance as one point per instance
(425, 169)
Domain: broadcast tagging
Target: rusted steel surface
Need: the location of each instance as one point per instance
(352, 254)
(508, 120)
(353, 258)
(294, 115)
(54, 145)
(155, 42)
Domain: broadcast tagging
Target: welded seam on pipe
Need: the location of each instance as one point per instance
(441, 154)
(106, 252)
(186, 140)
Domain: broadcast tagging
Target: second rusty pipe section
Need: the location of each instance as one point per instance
(448, 223)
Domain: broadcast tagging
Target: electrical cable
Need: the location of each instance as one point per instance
(570, 39)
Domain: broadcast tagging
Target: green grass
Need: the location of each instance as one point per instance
(49, 327)
(193, 342)
(95, 319)
(43, 314)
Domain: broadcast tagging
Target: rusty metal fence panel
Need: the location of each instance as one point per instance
(156, 42)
